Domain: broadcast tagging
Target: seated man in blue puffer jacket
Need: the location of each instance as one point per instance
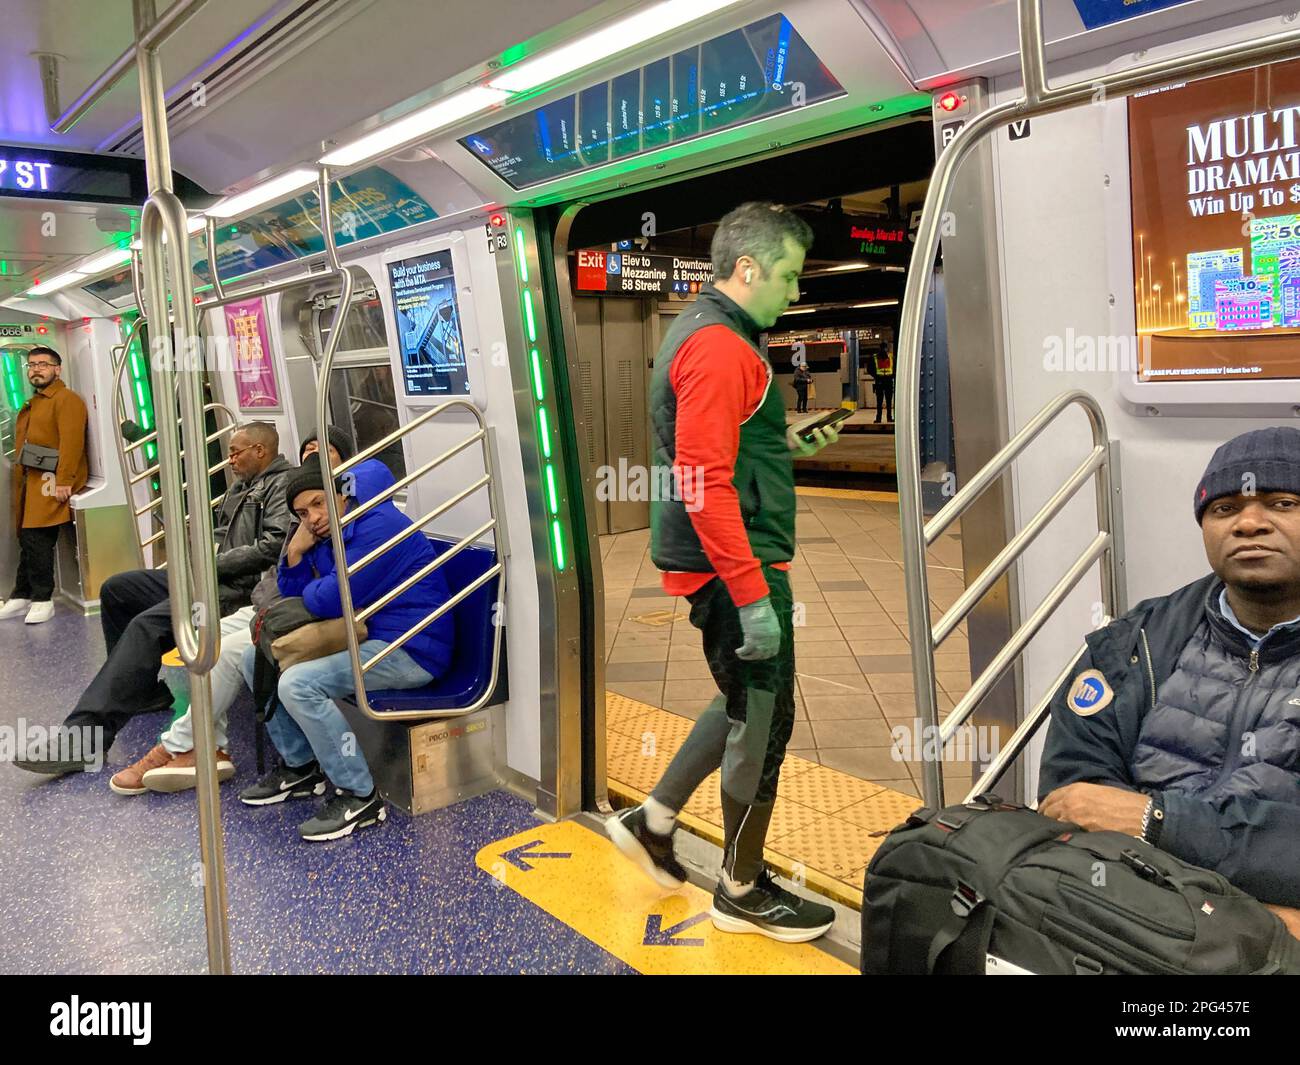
(307, 728)
(1181, 724)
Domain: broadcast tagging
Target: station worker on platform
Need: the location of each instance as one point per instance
(135, 610)
(309, 731)
(1181, 724)
(170, 765)
(49, 468)
(725, 543)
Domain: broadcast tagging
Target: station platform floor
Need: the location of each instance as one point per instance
(843, 784)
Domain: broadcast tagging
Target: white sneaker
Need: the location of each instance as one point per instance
(40, 612)
(13, 607)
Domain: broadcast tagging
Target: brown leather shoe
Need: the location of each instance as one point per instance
(181, 772)
(130, 781)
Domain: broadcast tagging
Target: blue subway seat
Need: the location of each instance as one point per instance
(471, 661)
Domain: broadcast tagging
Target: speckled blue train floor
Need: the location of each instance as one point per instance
(93, 882)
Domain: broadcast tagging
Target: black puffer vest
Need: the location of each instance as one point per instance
(764, 475)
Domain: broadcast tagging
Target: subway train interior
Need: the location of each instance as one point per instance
(460, 234)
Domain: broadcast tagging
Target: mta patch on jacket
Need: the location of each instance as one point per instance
(1090, 693)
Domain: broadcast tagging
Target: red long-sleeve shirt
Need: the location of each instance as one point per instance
(719, 382)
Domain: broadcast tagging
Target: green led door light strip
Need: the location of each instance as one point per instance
(550, 481)
(141, 387)
(15, 393)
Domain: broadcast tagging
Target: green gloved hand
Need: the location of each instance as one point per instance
(762, 629)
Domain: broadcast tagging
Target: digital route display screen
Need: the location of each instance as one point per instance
(428, 326)
(1215, 177)
(32, 172)
(760, 70)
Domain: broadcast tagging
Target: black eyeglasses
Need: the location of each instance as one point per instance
(41, 365)
(235, 452)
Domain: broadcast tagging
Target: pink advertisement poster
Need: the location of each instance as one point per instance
(250, 346)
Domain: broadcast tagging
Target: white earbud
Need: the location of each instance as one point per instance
(749, 277)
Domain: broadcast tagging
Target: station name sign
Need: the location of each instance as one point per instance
(622, 273)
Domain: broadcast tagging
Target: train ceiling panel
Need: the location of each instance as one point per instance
(37, 243)
(839, 78)
(938, 42)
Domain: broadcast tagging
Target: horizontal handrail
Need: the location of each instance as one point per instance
(425, 570)
(167, 23)
(215, 436)
(420, 626)
(998, 464)
(416, 526)
(1019, 740)
(1017, 546)
(141, 511)
(402, 431)
(1020, 638)
(392, 490)
(255, 291)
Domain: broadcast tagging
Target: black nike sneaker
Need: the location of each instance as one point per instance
(772, 911)
(343, 814)
(285, 783)
(652, 852)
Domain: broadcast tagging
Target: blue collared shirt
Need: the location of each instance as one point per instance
(1254, 638)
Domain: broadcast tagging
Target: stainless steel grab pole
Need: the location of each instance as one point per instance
(196, 616)
(160, 29)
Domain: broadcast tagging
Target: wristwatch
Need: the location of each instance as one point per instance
(1153, 819)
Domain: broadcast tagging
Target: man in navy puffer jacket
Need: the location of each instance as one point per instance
(308, 729)
(1181, 724)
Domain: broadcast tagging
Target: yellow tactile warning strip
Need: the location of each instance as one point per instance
(848, 493)
(824, 824)
(580, 878)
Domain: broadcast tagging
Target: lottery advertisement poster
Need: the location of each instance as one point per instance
(256, 387)
(1215, 183)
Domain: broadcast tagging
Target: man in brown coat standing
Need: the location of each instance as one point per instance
(49, 468)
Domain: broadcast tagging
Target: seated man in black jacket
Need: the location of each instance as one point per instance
(135, 609)
(1181, 724)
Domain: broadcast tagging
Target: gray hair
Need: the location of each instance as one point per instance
(759, 230)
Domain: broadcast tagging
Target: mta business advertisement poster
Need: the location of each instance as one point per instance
(428, 326)
(1215, 180)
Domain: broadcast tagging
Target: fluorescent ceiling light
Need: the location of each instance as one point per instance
(617, 37)
(800, 310)
(107, 261)
(55, 283)
(277, 188)
(877, 303)
(417, 124)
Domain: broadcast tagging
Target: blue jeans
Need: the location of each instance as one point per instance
(307, 726)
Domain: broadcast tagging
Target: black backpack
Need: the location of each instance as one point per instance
(992, 887)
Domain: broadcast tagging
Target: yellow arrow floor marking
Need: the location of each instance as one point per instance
(601, 895)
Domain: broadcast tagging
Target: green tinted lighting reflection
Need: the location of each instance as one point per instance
(550, 489)
(528, 317)
(537, 376)
(558, 538)
(139, 394)
(545, 431)
(523, 259)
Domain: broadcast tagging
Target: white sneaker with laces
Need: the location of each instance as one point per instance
(13, 607)
(40, 612)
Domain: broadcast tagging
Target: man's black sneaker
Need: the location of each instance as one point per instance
(53, 767)
(342, 814)
(770, 910)
(285, 783)
(652, 852)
